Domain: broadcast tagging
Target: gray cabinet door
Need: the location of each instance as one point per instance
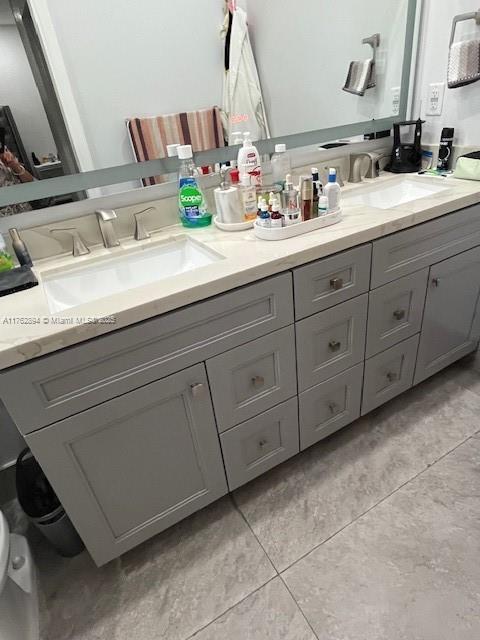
(395, 312)
(330, 406)
(255, 446)
(389, 374)
(75, 379)
(132, 467)
(253, 378)
(414, 249)
(331, 342)
(451, 322)
(330, 281)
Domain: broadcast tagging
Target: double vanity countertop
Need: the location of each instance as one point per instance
(28, 329)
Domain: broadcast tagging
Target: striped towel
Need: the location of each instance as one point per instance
(150, 136)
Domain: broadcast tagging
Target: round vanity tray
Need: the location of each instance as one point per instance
(298, 229)
(239, 226)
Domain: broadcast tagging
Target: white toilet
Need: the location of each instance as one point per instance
(18, 591)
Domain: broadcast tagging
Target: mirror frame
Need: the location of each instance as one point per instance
(135, 171)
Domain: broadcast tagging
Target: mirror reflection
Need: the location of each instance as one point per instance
(89, 85)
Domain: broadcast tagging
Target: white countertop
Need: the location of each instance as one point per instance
(28, 330)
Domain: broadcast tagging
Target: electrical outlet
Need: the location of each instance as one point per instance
(436, 94)
(396, 101)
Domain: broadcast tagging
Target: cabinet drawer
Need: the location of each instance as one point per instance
(328, 282)
(331, 342)
(408, 251)
(330, 406)
(395, 312)
(253, 378)
(60, 385)
(255, 446)
(389, 374)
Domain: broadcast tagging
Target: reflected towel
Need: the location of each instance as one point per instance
(150, 136)
(464, 63)
(361, 76)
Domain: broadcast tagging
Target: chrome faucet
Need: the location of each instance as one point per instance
(105, 218)
(356, 166)
(140, 232)
(374, 170)
(79, 248)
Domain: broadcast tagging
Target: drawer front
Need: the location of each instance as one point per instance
(330, 406)
(331, 342)
(411, 250)
(389, 374)
(328, 282)
(63, 384)
(253, 378)
(395, 312)
(255, 446)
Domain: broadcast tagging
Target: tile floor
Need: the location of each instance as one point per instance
(373, 534)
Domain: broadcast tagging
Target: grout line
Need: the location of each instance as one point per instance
(429, 466)
(230, 608)
(299, 608)
(242, 515)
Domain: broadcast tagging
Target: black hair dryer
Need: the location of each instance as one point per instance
(406, 156)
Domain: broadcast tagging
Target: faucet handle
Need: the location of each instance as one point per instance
(106, 214)
(140, 232)
(79, 248)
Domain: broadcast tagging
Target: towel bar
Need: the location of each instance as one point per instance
(474, 15)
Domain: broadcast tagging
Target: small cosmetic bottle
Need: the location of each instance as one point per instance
(264, 217)
(316, 191)
(276, 218)
(306, 197)
(322, 206)
(290, 195)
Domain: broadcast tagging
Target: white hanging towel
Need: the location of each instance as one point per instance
(243, 107)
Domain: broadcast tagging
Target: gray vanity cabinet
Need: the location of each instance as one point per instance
(131, 467)
(451, 324)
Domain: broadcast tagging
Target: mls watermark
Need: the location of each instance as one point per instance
(56, 320)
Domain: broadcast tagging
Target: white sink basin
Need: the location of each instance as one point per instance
(391, 195)
(106, 276)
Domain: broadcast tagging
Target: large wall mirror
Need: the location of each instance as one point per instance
(92, 93)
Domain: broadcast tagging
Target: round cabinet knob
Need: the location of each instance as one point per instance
(334, 345)
(258, 382)
(399, 314)
(262, 443)
(391, 376)
(198, 389)
(18, 562)
(336, 284)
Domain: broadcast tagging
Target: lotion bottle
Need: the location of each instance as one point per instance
(332, 191)
(249, 163)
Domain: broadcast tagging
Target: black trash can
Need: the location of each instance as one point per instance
(42, 506)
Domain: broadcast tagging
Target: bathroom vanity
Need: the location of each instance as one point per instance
(140, 427)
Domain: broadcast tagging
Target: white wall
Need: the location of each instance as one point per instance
(462, 106)
(303, 51)
(127, 59)
(19, 91)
